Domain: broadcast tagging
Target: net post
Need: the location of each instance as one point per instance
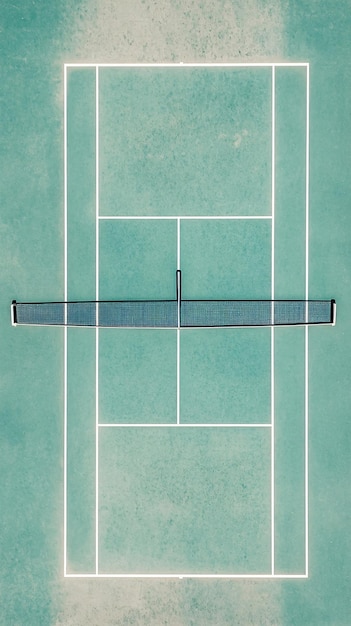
(333, 312)
(179, 295)
(13, 313)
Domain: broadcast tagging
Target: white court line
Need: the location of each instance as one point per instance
(306, 328)
(178, 329)
(185, 217)
(207, 425)
(97, 321)
(178, 376)
(181, 64)
(222, 576)
(65, 330)
(272, 332)
(178, 243)
(237, 576)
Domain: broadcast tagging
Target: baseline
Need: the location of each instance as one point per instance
(181, 64)
(222, 576)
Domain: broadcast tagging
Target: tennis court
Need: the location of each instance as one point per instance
(186, 450)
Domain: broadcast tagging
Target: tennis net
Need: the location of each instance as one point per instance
(175, 313)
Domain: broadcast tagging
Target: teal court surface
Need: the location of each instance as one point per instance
(186, 450)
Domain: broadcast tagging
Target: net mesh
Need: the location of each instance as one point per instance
(164, 313)
(154, 314)
(209, 313)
